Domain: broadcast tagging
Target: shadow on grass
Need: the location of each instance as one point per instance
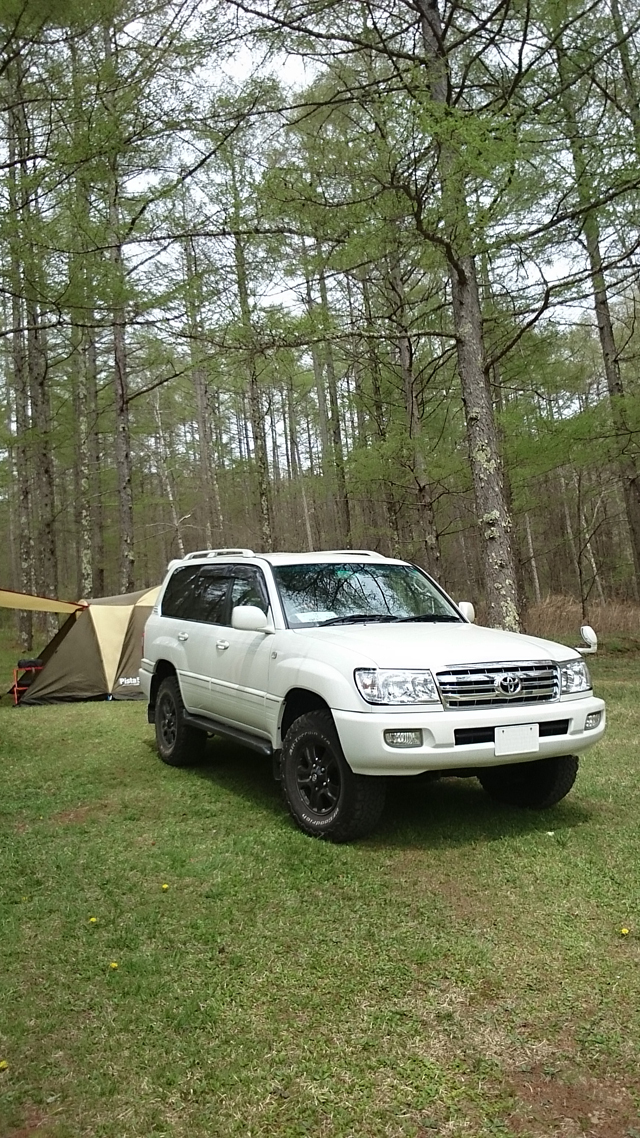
(457, 811)
(242, 772)
(419, 812)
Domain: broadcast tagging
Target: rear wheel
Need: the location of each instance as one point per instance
(536, 785)
(178, 744)
(324, 796)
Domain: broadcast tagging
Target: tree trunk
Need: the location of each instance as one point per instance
(424, 499)
(214, 521)
(493, 516)
(43, 472)
(628, 73)
(80, 290)
(326, 454)
(296, 466)
(94, 457)
(120, 377)
(82, 510)
(628, 466)
(26, 580)
(532, 561)
(256, 413)
(342, 497)
(166, 481)
(27, 270)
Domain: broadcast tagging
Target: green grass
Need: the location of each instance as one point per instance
(461, 972)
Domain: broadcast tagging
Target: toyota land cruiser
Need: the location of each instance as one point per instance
(347, 667)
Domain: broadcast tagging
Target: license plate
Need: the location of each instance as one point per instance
(519, 740)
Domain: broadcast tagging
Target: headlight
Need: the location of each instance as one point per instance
(382, 685)
(574, 676)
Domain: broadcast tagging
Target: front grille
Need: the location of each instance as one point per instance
(499, 685)
(466, 736)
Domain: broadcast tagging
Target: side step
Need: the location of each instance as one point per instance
(203, 723)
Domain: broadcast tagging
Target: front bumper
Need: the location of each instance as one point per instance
(362, 736)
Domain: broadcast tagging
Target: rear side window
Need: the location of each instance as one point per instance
(179, 595)
(198, 593)
(212, 589)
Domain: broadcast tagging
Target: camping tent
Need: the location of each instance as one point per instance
(96, 653)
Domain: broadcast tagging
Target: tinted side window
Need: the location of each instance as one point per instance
(179, 599)
(212, 588)
(198, 593)
(249, 588)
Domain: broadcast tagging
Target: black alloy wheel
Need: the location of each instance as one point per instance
(178, 743)
(319, 778)
(167, 720)
(325, 798)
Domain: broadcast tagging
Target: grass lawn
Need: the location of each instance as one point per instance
(461, 972)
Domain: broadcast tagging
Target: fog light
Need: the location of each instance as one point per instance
(403, 738)
(592, 720)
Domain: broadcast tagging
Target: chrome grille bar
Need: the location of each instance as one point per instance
(499, 685)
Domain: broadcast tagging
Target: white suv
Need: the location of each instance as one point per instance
(347, 667)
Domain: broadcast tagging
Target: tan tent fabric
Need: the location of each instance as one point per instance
(110, 623)
(127, 682)
(74, 671)
(97, 655)
(149, 598)
(27, 602)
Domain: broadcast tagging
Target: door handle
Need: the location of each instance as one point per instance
(183, 636)
(222, 644)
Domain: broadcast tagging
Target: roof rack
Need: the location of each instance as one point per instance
(358, 552)
(218, 553)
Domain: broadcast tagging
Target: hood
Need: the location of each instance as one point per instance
(436, 646)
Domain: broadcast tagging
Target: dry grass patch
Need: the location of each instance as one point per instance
(578, 1106)
(559, 618)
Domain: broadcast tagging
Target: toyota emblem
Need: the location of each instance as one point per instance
(509, 684)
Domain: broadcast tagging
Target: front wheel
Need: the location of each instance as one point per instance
(178, 744)
(536, 785)
(325, 798)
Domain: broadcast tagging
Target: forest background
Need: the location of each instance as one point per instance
(301, 274)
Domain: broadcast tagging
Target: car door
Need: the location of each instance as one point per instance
(239, 675)
(179, 612)
(196, 602)
(212, 616)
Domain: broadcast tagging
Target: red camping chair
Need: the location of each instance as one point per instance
(23, 676)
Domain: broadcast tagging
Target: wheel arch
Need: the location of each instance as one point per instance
(297, 702)
(163, 669)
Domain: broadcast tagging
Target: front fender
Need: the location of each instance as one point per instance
(335, 686)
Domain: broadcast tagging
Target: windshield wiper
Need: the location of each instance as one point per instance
(431, 617)
(358, 618)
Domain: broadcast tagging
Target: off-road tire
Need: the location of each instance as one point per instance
(536, 785)
(325, 798)
(179, 745)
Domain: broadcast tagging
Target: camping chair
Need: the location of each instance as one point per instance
(23, 676)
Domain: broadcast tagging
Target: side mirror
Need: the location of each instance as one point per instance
(467, 610)
(249, 618)
(590, 639)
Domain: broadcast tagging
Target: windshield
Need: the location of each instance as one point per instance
(354, 593)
